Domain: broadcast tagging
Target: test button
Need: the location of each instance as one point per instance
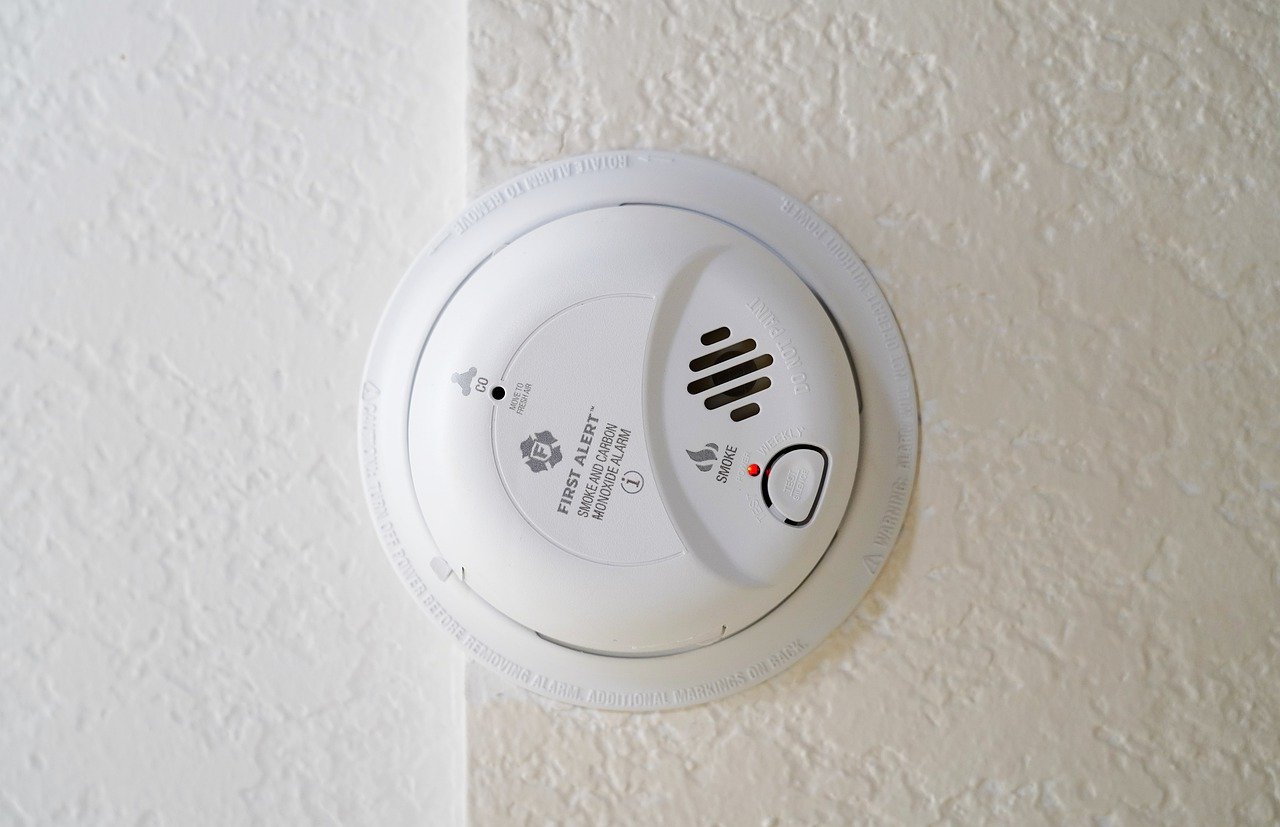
(792, 482)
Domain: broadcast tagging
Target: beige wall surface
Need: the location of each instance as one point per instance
(1072, 207)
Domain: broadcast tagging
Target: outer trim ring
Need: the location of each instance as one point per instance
(886, 465)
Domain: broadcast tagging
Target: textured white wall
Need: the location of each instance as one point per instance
(204, 208)
(1072, 206)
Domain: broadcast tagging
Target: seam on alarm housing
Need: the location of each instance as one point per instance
(636, 655)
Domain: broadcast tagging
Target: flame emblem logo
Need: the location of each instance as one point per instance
(705, 458)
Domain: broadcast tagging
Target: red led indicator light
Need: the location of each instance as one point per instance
(753, 470)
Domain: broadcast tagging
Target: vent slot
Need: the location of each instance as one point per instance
(734, 394)
(724, 354)
(745, 412)
(713, 336)
(731, 373)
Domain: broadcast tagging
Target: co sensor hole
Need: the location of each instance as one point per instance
(498, 392)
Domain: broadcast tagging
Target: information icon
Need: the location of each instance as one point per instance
(632, 482)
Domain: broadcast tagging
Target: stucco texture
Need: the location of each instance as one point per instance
(1072, 207)
(204, 209)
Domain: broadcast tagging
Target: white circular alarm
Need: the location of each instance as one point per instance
(638, 429)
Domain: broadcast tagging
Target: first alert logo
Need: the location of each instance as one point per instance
(540, 451)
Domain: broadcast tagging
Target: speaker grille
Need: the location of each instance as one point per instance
(724, 380)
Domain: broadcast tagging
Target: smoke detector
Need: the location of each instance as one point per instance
(638, 429)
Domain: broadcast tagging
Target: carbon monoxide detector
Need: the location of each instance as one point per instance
(638, 429)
